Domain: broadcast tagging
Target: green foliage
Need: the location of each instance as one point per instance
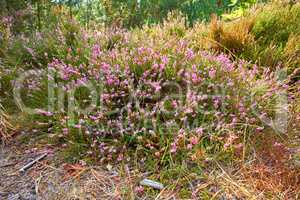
(239, 8)
(136, 13)
(276, 23)
(202, 10)
(274, 26)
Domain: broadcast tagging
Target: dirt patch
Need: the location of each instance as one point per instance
(52, 179)
(14, 185)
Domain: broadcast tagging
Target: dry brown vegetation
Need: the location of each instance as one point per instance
(234, 37)
(5, 126)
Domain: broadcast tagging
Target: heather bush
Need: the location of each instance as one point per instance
(164, 98)
(152, 90)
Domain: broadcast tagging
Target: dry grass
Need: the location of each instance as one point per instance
(257, 180)
(273, 172)
(234, 36)
(5, 126)
(82, 182)
(292, 52)
(233, 184)
(274, 181)
(270, 172)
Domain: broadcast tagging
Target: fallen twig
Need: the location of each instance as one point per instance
(153, 184)
(29, 165)
(8, 164)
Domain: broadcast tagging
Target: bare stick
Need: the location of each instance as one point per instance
(153, 184)
(29, 165)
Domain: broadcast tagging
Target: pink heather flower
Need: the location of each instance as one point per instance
(65, 131)
(141, 50)
(194, 67)
(162, 66)
(96, 51)
(7, 20)
(227, 65)
(195, 78)
(139, 190)
(94, 118)
(216, 102)
(120, 157)
(43, 112)
(190, 54)
(194, 140)
(226, 145)
(156, 86)
(234, 120)
(173, 147)
(105, 67)
(174, 103)
(278, 144)
(199, 131)
(31, 51)
(188, 110)
(230, 83)
(181, 133)
(105, 97)
(77, 126)
(80, 82)
(165, 60)
(189, 146)
(259, 129)
(212, 73)
(109, 81)
(155, 66)
(238, 147)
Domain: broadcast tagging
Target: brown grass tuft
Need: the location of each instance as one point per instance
(5, 126)
(292, 51)
(234, 36)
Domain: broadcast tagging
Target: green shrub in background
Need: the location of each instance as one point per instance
(276, 23)
(266, 35)
(274, 26)
(199, 10)
(239, 7)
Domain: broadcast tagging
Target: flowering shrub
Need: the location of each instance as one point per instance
(166, 100)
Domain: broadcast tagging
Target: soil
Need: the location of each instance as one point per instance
(50, 178)
(16, 185)
(13, 184)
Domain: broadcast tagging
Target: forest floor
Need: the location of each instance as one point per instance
(53, 179)
(50, 178)
(13, 185)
